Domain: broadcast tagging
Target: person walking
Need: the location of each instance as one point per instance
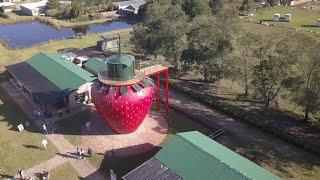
(44, 127)
(21, 173)
(44, 144)
(60, 113)
(82, 154)
(78, 153)
(89, 152)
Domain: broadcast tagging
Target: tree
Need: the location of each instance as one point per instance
(104, 4)
(305, 81)
(78, 8)
(194, 8)
(243, 61)
(247, 6)
(274, 67)
(53, 4)
(204, 46)
(163, 30)
(216, 6)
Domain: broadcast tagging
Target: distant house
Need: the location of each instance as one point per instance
(192, 155)
(6, 7)
(128, 8)
(52, 83)
(35, 8)
(12, 1)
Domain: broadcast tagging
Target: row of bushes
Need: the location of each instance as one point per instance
(2, 15)
(238, 114)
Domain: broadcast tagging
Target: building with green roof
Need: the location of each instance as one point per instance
(192, 155)
(94, 65)
(52, 82)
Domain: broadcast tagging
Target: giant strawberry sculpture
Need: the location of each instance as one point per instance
(122, 97)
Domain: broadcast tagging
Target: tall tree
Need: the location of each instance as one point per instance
(204, 46)
(243, 61)
(274, 67)
(217, 6)
(194, 8)
(78, 8)
(305, 82)
(164, 28)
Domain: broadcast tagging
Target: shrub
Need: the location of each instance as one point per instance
(2, 15)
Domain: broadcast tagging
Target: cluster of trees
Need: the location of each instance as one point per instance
(204, 36)
(270, 66)
(78, 8)
(187, 32)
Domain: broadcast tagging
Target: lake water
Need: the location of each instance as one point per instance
(27, 34)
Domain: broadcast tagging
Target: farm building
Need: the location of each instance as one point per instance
(52, 83)
(94, 65)
(192, 155)
(35, 8)
(6, 7)
(128, 8)
(11, 1)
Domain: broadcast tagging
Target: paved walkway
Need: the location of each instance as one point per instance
(47, 165)
(241, 135)
(83, 167)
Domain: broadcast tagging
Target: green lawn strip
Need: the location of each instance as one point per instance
(19, 149)
(71, 127)
(300, 18)
(64, 171)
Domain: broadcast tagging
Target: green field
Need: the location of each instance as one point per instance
(300, 18)
(64, 171)
(19, 149)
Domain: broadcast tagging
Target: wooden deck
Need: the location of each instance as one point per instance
(140, 75)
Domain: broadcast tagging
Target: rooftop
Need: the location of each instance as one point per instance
(192, 155)
(34, 4)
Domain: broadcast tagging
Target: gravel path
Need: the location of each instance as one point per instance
(48, 165)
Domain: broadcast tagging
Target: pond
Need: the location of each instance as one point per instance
(23, 35)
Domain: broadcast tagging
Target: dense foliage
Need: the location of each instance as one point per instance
(194, 38)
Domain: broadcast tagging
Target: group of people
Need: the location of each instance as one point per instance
(44, 176)
(80, 153)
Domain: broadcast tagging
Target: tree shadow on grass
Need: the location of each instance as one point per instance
(3, 176)
(32, 147)
(309, 25)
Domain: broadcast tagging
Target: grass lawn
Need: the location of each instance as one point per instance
(19, 149)
(300, 18)
(71, 127)
(65, 171)
(9, 56)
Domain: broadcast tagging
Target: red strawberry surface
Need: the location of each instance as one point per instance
(123, 112)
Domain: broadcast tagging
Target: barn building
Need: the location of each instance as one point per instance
(35, 8)
(52, 83)
(192, 155)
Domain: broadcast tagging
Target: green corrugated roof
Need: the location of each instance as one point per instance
(64, 74)
(193, 155)
(95, 65)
